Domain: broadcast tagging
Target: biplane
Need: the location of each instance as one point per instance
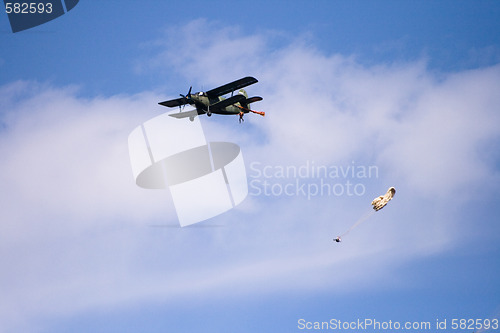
(212, 101)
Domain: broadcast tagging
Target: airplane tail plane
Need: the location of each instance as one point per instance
(245, 103)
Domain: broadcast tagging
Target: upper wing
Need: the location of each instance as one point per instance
(229, 101)
(190, 114)
(229, 87)
(175, 102)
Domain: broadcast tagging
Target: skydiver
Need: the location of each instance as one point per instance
(338, 239)
(241, 117)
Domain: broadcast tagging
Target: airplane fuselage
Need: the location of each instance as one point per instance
(203, 103)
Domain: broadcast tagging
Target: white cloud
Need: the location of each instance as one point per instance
(64, 175)
(74, 232)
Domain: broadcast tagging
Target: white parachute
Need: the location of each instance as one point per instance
(378, 203)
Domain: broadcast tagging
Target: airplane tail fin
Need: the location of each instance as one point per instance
(243, 92)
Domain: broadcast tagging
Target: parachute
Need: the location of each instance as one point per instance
(380, 202)
(377, 203)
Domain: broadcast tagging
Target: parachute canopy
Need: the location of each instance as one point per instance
(380, 202)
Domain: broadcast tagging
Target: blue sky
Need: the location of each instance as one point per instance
(408, 87)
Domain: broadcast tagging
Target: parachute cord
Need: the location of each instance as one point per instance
(359, 221)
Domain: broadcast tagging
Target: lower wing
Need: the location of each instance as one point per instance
(179, 115)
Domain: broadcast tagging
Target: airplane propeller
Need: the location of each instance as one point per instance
(187, 97)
